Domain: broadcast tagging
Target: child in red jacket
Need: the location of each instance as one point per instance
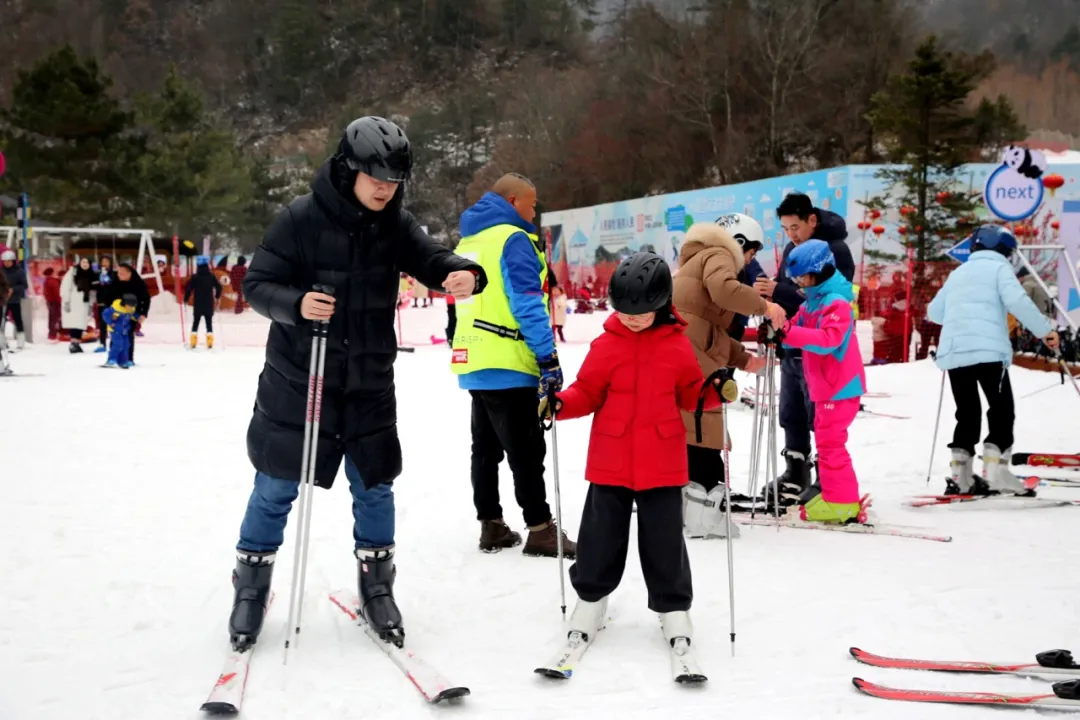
(636, 378)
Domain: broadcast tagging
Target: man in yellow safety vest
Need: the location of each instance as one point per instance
(504, 355)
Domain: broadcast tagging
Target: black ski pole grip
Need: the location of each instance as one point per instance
(321, 329)
(324, 289)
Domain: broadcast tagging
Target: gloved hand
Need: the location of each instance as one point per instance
(545, 407)
(728, 390)
(551, 379)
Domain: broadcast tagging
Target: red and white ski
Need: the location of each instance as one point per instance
(432, 685)
(1046, 460)
(1005, 500)
(1021, 700)
(228, 694)
(1052, 662)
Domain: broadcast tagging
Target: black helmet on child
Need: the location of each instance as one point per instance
(129, 300)
(376, 147)
(641, 284)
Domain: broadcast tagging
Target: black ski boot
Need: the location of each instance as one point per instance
(251, 584)
(792, 483)
(377, 604)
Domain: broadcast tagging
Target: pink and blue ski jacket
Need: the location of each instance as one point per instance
(824, 329)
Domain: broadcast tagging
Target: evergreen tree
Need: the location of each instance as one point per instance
(191, 177)
(63, 135)
(930, 132)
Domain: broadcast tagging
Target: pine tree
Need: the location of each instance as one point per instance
(63, 135)
(930, 131)
(191, 177)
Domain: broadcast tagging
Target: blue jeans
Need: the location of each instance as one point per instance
(263, 528)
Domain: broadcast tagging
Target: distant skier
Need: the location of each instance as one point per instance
(351, 232)
(824, 329)
(120, 319)
(5, 293)
(636, 378)
(205, 287)
(16, 280)
(972, 308)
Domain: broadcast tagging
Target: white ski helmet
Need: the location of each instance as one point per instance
(7, 256)
(745, 229)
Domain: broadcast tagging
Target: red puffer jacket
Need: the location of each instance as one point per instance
(637, 383)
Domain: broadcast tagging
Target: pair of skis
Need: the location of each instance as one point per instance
(856, 528)
(684, 665)
(227, 696)
(1064, 695)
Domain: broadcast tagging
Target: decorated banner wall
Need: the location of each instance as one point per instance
(587, 243)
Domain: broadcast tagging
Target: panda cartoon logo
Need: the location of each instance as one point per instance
(1029, 163)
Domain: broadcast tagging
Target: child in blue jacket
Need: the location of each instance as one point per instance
(972, 308)
(120, 319)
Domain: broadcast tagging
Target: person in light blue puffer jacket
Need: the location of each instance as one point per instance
(972, 308)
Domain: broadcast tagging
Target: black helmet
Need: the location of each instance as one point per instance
(377, 147)
(641, 284)
(129, 300)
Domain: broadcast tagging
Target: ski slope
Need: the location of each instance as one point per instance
(123, 493)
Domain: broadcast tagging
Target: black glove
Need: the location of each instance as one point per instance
(551, 377)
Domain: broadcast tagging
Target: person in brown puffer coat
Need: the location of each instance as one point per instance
(708, 295)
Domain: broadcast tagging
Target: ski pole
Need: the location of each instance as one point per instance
(319, 332)
(558, 500)
(727, 509)
(937, 424)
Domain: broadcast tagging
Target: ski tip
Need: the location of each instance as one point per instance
(219, 708)
(554, 673)
(859, 683)
(855, 652)
(692, 679)
(449, 694)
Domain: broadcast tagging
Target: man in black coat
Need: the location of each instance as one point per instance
(128, 282)
(801, 221)
(352, 234)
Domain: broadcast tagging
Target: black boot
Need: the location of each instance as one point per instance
(377, 604)
(251, 584)
(792, 482)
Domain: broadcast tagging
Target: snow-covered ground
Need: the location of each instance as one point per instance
(123, 493)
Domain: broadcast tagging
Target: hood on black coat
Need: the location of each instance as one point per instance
(830, 226)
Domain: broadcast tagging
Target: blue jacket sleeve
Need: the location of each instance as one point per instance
(521, 278)
(1020, 305)
(935, 311)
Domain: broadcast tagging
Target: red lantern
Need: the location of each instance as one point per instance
(1056, 225)
(864, 225)
(942, 197)
(1052, 182)
(902, 229)
(1020, 231)
(878, 229)
(875, 214)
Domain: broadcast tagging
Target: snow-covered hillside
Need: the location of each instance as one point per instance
(123, 493)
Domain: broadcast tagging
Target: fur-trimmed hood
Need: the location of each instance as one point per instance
(702, 236)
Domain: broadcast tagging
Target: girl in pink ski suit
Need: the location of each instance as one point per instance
(824, 328)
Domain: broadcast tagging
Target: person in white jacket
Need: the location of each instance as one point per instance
(972, 307)
(75, 291)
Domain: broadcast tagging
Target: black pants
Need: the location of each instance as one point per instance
(198, 315)
(451, 322)
(993, 378)
(604, 538)
(706, 466)
(506, 423)
(796, 414)
(15, 308)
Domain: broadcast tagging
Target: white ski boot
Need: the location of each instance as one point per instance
(998, 476)
(963, 480)
(703, 513)
(678, 631)
(588, 618)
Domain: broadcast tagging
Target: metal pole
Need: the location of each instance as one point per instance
(320, 331)
(558, 505)
(727, 507)
(937, 424)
